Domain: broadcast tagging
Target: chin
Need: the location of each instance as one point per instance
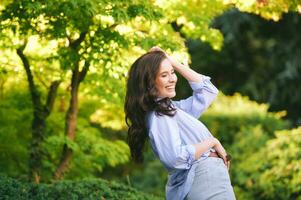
(172, 95)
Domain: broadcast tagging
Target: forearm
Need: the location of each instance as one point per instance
(202, 147)
(184, 70)
(188, 73)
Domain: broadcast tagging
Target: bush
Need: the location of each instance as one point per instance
(229, 114)
(274, 172)
(248, 141)
(15, 132)
(84, 189)
(244, 128)
(92, 150)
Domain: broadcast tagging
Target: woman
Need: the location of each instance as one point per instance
(196, 162)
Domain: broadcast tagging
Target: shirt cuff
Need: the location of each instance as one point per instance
(204, 84)
(191, 150)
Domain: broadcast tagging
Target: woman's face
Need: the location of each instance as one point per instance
(166, 80)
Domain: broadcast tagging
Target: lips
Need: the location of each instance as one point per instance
(170, 87)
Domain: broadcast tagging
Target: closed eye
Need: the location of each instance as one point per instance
(164, 74)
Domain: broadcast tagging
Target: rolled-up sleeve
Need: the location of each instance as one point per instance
(203, 95)
(165, 135)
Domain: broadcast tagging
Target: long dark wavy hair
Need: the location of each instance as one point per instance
(141, 97)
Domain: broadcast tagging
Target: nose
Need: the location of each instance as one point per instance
(172, 78)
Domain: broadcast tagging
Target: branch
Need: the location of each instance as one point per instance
(22, 47)
(74, 44)
(112, 26)
(40, 79)
(32, 87)
(84, 71)
(51, 96)
(178, 28)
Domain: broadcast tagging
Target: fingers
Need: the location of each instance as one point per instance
(228, 156)
(223, 154)
(155, 48)
(227, 163)
(225, 160)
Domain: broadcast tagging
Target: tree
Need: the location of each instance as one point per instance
(94, 35)
(40, 110)
(87, 34)
(260, 59)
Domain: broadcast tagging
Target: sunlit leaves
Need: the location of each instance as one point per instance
(274, 171)
(229, 113)
(93, 152)
(268, 9)
(109, 116)
(194, 18)
(240, 105)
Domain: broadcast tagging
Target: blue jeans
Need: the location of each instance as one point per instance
(211, 181)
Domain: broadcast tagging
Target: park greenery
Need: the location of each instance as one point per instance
(63, 69)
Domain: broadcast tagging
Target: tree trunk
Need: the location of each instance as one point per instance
(40, 114)
(70, 124)
(71, 115)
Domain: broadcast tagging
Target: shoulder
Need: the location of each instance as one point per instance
(152, 117)
(154, 120)
(175, 104)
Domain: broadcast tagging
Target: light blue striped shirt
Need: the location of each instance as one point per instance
(172, 138)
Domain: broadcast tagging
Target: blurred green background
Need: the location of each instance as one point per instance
(63, 69)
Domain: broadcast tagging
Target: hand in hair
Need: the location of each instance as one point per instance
(156, 48)
(173, 61)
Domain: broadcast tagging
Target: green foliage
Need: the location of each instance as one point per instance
(247, 141)
(108, 37)
(93, 152)
(14, 132)
(260, 59)
(84, 189)
(244, 127)
(194, 18)
(268, 9)
(151, 177)
(229, 114)
(247, 130)
(273, 171)
(83, 35)
(281, 166)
